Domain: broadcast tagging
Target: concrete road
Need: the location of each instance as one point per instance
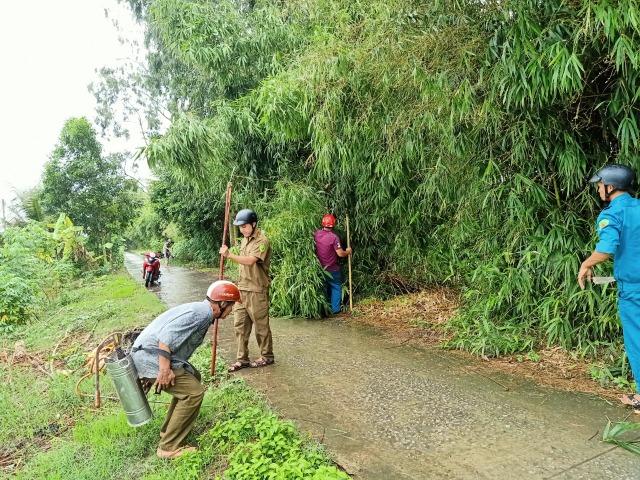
(389, 411)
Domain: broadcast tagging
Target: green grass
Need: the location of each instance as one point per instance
(50, 432)
(623, 434)
(91, 309)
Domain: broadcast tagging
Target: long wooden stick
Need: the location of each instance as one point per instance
(349, 260)
(214, 342)
(225, 228)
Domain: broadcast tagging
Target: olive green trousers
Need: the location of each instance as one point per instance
(183, 411)
(254, 310)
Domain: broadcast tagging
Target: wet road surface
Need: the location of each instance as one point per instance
(390, 411)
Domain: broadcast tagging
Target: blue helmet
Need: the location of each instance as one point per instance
(245, 216)
(619, 176)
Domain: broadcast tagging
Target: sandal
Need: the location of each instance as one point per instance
(237, 366)
(262, 362)
(630, 399)
(176, 453)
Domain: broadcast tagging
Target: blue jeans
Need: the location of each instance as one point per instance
(333, 290)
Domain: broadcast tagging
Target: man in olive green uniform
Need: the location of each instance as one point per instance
(161, 356)
(253, 263)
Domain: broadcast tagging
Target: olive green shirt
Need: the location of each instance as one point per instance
(255, 278)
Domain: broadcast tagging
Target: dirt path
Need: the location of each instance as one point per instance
(392, 411)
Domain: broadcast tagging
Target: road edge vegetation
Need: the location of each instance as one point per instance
(48, 431)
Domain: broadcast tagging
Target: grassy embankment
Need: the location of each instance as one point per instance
(47, 431)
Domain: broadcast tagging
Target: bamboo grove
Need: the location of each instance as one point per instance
(457, 135)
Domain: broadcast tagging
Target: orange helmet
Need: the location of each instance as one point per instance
(329, 221)
(223, 291)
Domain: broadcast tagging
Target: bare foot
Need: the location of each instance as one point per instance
(176, 453)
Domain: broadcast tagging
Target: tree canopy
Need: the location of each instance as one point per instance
(89, 188)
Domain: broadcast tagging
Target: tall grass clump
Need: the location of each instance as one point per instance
(553, 104)
(298, 278)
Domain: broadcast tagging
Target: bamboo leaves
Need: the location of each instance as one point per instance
(628, 133)
(459, 133)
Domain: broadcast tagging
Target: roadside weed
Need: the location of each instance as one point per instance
(257, 445)
(623, 434)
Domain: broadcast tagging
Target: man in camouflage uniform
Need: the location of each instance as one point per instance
(253, 263)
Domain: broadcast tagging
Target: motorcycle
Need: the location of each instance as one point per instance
(151, 268)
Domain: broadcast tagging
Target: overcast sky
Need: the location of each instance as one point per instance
(49, 53)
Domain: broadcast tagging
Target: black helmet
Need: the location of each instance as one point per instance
(619, 176)
(245, 216)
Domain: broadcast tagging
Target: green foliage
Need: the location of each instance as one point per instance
(292, 218)
(147, 227)
(457, 134)
(17, 298)
(619, 433)
(70, 243)
(257, 444)
(241, 45)
(269, 448)
(188, 147)
(542, 107)
(26, 206)
(90, 189)
(31, 273)
(613, 369)
(199, 212)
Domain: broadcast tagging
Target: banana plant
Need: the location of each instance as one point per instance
(69, 240)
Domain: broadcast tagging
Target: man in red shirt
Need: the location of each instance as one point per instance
(328, 249)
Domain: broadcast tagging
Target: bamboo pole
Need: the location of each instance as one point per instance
(225, 228)
(349, 261)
